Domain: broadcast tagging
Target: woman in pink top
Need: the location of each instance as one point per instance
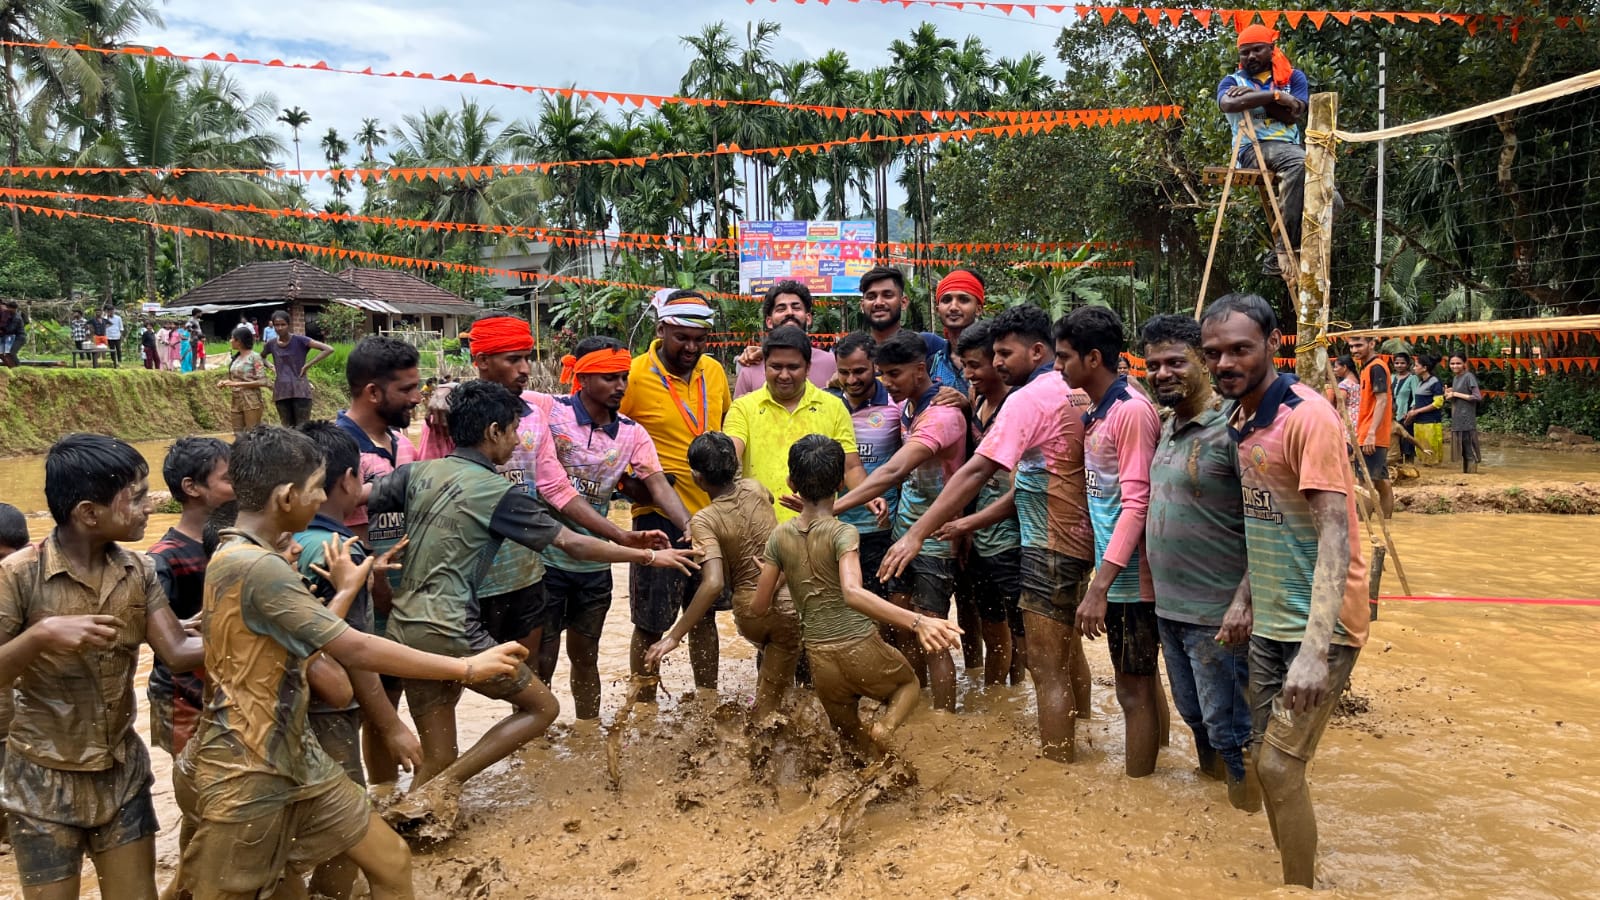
(1348, 396)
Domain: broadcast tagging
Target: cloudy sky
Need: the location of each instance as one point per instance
(615, 45)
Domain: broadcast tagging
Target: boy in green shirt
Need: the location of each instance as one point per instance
(820, 558)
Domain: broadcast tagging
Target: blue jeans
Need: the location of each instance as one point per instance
(1210, 682)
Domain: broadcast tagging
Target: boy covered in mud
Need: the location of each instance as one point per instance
(458, 512)
(271, 803)
(820, 558)
(13, 537)
(74, 609)
(731, 534)
(338, 726)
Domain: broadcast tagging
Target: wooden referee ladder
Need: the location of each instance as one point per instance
(1266, 192)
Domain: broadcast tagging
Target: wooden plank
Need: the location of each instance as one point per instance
(1219, 175)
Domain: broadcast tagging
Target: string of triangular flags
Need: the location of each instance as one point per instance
(1081, 118)
(1236, 18)
(621, 98)
(346, 253)
(557, 236)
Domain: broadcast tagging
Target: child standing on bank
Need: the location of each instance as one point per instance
(1463, 395)
(74, 609)
(821, 560)
(731, 534)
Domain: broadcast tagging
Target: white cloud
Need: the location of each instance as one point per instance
(621, 45)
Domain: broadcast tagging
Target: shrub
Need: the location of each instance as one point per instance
(1565, 400)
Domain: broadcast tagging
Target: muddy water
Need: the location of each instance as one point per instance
(22, 477)
(1471, 772)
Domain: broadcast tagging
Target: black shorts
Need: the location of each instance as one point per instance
(339, 733)
(514, 615)
(997, 586)
(1133, 637)
(657, 596)
(929, 581)
(1053, 584)
(874, 547)
(1377, 464)
(576, 600)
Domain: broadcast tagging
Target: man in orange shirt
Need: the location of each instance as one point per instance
(676, 393)
(1372, 419)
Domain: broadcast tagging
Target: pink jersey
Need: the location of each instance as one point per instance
(1119, 442)
(943, 430)
(594, 458)
(1293, 444)
(1038, 436)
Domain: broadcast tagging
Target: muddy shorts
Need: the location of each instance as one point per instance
(874, 547)
(423, 695)
(514, 615)
(657, 596)
(73, 813)
(1133, 637)
(776, 635)
(339, 733)
(1053, 584)
(173, 720)
(239, 860)
(842, 672)
(578, 600)
(929, 582)
(1296, 734)
(997, 586)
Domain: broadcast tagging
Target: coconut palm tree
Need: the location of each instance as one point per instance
(166, 117)
(469, 137)
(1023, 83)
(296, 118)
(919, 69)
(369, 136)
(712, 74)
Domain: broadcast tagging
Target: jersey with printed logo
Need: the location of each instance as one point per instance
(1295, 443)
(943, 430)
(594, 458)
(1119, 441)
(877, 424)
(1038, 436)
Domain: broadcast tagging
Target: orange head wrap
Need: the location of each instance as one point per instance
(596, 362)
(500, 334)
(1282, 69)
(960, 280)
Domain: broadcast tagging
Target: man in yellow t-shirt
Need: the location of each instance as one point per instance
(766, 422)
(676, 393)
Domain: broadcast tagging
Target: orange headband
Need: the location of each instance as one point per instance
(959, 280)
(595, 362)
(1282, 69)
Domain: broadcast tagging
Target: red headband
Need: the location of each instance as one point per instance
(501, 334)
(960, 280)
(1282, 69)
(596, 362)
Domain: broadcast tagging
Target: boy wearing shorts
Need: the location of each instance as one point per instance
(731, 533)
(819, 556)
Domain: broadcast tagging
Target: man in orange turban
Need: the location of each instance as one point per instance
(1275, 94)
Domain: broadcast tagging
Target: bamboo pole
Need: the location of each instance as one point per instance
(1314, 282)
(1315, 286)
(1216, 227)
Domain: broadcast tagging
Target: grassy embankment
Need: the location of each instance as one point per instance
(38, 406)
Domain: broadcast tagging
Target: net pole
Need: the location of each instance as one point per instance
(1377, 248)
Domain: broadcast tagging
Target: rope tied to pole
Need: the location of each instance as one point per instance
(1320, 340)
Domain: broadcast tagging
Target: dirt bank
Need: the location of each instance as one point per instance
(38, 406)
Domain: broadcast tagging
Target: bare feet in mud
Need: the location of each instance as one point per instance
(429, 814)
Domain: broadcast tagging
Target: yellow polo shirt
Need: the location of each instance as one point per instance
(768, 430)
(700, 404)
